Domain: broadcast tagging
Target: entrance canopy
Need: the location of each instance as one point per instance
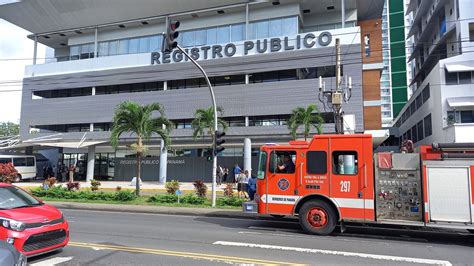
(455, 102)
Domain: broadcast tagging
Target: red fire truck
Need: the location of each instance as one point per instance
(337, 178)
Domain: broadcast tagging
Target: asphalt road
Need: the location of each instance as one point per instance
(111, 238)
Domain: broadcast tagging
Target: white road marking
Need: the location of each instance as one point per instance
(53, 261)
(337, 253)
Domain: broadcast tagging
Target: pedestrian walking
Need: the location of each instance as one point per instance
(237, 172)
(252, 186)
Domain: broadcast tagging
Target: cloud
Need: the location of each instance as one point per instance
(13, 45)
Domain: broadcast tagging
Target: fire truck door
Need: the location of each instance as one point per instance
(281, 183)
(348, 180)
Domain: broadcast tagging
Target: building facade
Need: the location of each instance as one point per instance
(263, 59)
(441, 108)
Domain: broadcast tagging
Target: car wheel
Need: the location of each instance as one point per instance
(317, 217)
(17, 178)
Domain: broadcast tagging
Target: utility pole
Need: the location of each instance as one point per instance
(334, 98)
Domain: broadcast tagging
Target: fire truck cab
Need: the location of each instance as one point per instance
(337, 178)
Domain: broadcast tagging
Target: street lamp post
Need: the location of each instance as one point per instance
(214, 159)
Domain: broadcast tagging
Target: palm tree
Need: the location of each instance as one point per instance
(204, 121)
(131, 117)
(307, 118)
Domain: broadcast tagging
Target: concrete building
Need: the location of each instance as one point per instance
(264, 58)
(441, 108)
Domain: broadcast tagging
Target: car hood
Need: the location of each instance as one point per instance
(33, 214)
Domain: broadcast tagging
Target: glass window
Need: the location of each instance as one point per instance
(412, 108)
(344, 162)
(262, 162)
(419, 101)
(262, 29)
(237, 79)
(419, 129)
(200, 37)
(237, 32)
(287, 74)
(103, 49)
(113, 47)
(289, 26)
(74, 52)
(316, 162)
(144, 45)
(21, 161)
(87, 51)
(252, 34)
(133, 46)
(211, 35)
(188, 38)
(275, 28)
(464, 77)
(123, 46)
(427, 125)
(414, 134)
(282, 162)
(155, 43)
(270, 76)
(426, 93)
(223, 34)
(467, 117)
(451, 78)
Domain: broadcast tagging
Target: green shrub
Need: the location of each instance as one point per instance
(124, 195)
(230, 201)
(167, 198)
(192, 199)
(172, 186)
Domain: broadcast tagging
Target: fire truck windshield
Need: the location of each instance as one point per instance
(262, 162)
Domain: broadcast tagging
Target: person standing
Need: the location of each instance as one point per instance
(219, 174)
(226, 174)
(252, 186)
(245, 181)
(237, 172)
(72, 171)
(63, 172)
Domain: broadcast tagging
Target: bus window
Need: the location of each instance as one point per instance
(30, 161)
(20, 161)
(5, 160)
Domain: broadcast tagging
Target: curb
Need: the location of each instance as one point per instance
(205, 212)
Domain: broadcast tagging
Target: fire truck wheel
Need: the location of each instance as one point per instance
(317, 217)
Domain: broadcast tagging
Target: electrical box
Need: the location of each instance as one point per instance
(336, 98)
(398, 187)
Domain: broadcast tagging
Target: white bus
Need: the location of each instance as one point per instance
(25, 165)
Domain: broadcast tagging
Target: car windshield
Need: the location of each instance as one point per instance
(14, 198)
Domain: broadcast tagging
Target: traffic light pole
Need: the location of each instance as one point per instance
(214, 160)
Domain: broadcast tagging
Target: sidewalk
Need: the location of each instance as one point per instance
(146, 187)
(208, 212)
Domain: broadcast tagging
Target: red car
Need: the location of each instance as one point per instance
(32, 226)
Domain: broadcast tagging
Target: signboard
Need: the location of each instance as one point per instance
(249, 47)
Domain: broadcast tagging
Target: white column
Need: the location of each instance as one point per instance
(163, 161)
(247, 154)
(95, 43)
(35, 50)
(247, 21)
(93, 90)
(247, 121)
(91, 127)
(343, 14)
(247, 79)
(90, 163)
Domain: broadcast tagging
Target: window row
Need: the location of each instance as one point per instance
(419, 131)
(460, 117)
(262, 77)
(455, 78)
(415, 105)
(238, 121)
(220, 34)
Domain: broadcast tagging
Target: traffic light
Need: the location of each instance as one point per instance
(208, 154)
(171, 35)
(218, 141)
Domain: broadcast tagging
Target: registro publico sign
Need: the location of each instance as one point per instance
(250, 47)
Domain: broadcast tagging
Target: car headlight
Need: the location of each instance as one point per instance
(12, 224)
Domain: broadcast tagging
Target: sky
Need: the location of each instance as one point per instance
(14, 45)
